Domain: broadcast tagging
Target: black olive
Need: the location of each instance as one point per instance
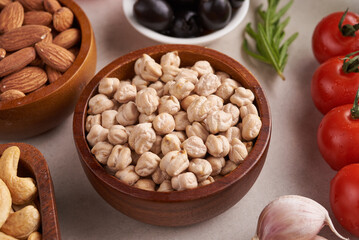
(183, 2)
(154, 14)
(236, 3)
(186, 24)
(215, 14)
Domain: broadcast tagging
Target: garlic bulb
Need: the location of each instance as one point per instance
(293, 217)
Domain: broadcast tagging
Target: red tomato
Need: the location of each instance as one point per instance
(331, 87)
(338, 137)
(328, 41)
(344, 197)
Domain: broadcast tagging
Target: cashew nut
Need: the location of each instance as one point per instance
(5, 203)
(35, 236)
(22, 190)
(3, 236)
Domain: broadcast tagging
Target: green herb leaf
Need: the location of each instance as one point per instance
(270, 36)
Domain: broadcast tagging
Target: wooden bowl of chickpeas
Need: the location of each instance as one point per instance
(172, 135)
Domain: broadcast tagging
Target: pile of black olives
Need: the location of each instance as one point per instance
(185, 18)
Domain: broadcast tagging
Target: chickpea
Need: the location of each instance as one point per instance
(207, 84)
(214, 102)
(142, 137)
(169, 104)
(147, 101)
(198, 110)
(129, 129)
(143, 118)
(188, 74)
(117, 135)
(169, 143)
(218, 121)
(251, 126)
(108, 86)
(201, 168)
(92, 120)
(222, 75)
(202, 67)
(249, 146)
(165, 186)
(158, 176)
(127, 114)
(166, 88)
(147, 164)
(102, 151)
(226, 90)
(217, 163)
(97, 134)
(181, 88)
(181, 120)
(163, 123)
(139, 83)
(169, 73)
(156, 147)
(158, 86)
(174, 162)
(231, 133)
(184, 181)
(108, 118)
(145, 184)
(228, 167)
(148, 69)
(194, 147)
(217, 145)
(248, 109)
(188, 100)
(206, 181)
(234, 111)
(242, 97)
(196, 129)
(180, 134)
(120, 158)
(126, 92)
(171, 59)
(128, 175)
(99, 103)
(238, 151)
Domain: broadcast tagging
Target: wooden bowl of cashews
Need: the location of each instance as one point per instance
(28, 208)
(169, 147)
(45, 67)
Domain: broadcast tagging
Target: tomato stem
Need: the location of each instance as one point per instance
(347, 30)
(354, 111)
(351, 65)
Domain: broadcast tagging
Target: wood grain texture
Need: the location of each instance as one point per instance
(184, 207)
(42, 110)
(33, 164)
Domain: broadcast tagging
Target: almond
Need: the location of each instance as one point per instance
(26, 80)
(63, 19)
(11, 17)
(3, 3)
(37, 62)
(51, 6)
(68, 38)
(17, 61)
(2, 53)
(22, 37)
(52, 74)
(37, 18)
(11, 95)
(55, 56)
(48, 38)
(31, 5)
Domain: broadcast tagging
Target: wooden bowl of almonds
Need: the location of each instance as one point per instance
(28, 207)
(47, 56)
(172, 135)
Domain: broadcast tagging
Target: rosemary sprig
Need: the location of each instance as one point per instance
(270, 35)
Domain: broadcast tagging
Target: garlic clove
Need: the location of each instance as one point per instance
(293, 217)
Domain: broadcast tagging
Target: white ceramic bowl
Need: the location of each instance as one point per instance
(237, 17)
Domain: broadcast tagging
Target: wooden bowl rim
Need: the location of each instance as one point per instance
(204, 191)
(86, 42)
(31, 156)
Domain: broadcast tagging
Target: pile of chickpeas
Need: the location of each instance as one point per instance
(171, 127)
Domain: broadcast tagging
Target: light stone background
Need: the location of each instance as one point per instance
(294, 164)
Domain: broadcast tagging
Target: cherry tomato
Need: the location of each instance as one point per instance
(338, 137)
(328, 41)
(344, 197)
(331, 86)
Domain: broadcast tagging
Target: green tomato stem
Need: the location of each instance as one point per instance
(351, 65)
(347, 30)
(354, 111)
